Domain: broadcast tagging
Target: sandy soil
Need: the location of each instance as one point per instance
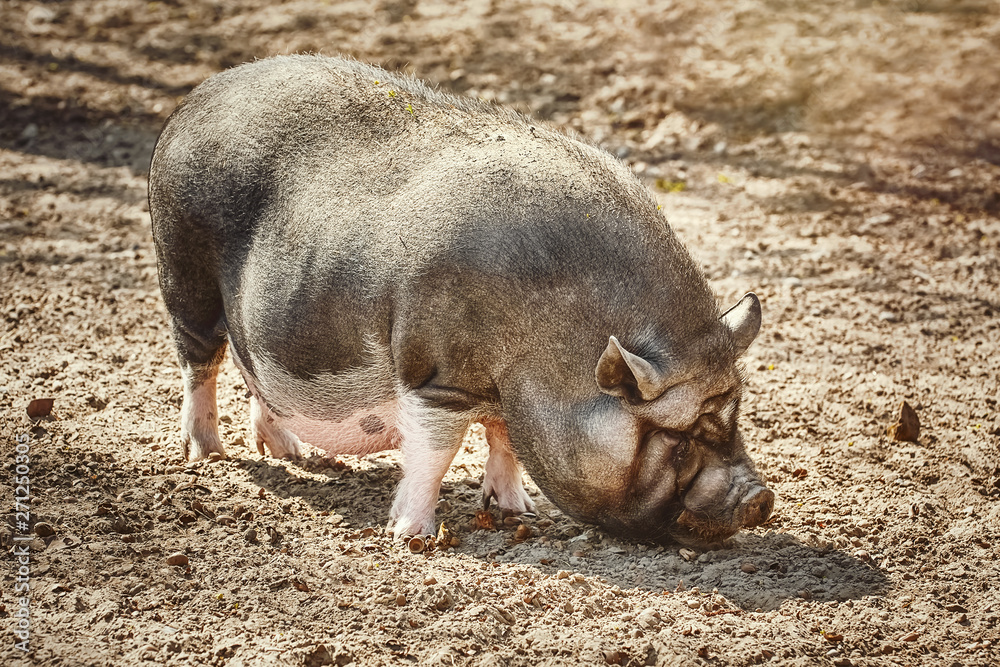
(840, 159)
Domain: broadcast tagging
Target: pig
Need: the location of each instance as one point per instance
(389, 264)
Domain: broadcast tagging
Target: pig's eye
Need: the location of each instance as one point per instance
(709, 429)
(681, 451)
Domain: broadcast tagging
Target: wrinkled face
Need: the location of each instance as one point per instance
(674, 468)
(657, 453)
(691, 482)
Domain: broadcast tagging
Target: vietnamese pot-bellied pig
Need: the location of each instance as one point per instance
(389, 264)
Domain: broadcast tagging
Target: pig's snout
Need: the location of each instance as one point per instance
(744, 507)
(756, 507)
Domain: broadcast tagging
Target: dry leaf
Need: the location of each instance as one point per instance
(484, 521)
(907, 427)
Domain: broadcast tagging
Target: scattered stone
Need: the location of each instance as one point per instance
(613, 657)
(648, 619)
(43, 529)
(40, 408)
(444, 601)
(748, 568)
(178, 559)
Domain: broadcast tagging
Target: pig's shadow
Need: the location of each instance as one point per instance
(759, 570)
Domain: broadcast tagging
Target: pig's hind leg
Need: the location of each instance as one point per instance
(195, 305)
(430, 439)
(199, 424)
(282, 443)
(502, 479)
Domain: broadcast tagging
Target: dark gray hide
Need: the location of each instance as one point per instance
(389, 263)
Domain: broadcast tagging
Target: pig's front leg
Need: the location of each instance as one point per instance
(503, 473)
(430, 439)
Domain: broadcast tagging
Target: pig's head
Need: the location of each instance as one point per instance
(657, 453)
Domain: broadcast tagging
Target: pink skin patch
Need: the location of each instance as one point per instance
(365, 432)
(503, 473)
(199, 427)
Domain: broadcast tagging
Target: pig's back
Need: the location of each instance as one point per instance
(360, 198)
(324, 147)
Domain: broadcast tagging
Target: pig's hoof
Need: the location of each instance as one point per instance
(282, 448)
(403, 528)
(409, 519)
(198, 449)
(510, 497)
(282, 443)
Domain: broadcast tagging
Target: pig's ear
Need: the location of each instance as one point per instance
(743, 320)
(621, 373)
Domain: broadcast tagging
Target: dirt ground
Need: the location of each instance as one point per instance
(840, 159)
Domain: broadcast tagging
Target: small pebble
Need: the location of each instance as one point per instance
(749, 568)
(178, 559)
(613, 657)
(43, 529)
